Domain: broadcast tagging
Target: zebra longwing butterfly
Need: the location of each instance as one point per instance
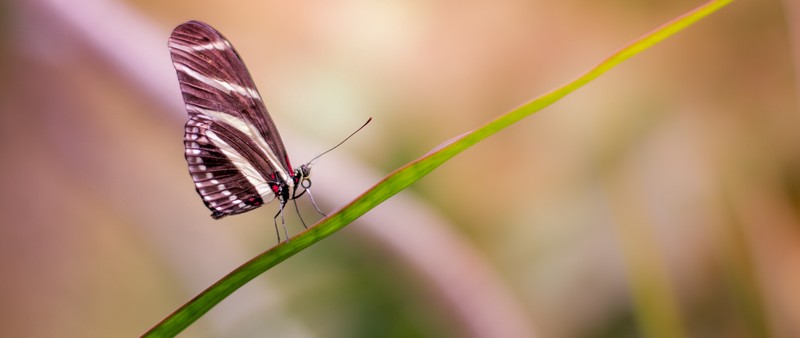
(236, 156)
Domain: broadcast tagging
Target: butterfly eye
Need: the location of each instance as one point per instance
(305, 170)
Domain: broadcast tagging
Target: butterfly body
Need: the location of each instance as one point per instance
(235, 154)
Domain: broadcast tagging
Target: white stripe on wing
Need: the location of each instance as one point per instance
(249, 130)
(245, 168)
(217, 83)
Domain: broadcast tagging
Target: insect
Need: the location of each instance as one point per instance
(236, 157)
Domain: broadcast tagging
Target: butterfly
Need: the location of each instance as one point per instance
(236, 156)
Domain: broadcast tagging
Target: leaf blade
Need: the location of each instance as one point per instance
(407, 175)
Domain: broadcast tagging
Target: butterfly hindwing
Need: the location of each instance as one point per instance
(225, 181)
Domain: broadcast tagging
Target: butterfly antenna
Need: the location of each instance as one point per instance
(340, 143)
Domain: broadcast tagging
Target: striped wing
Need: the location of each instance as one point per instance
(235, 154)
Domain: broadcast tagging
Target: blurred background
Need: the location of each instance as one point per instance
(661, 200)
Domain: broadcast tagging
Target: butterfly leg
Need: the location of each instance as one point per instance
(283, 223)
(277, 232)
(296, 208)
(314, 203)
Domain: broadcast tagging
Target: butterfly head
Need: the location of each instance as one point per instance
(302, 176)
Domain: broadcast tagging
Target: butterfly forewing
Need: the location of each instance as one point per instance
(233, 148)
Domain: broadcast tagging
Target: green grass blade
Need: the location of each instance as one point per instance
(405, 176)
